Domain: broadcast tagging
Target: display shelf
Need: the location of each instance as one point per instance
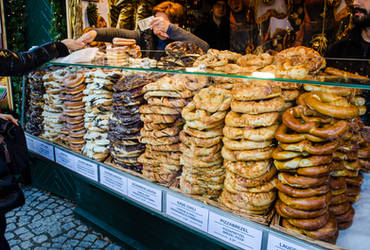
(226, 229)
(362, 83)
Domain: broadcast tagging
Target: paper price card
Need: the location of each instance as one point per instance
(65, 159)
(188, 213)
(142, 193)
(86, 168)
(234, 232)
(275, 243)
(45, 150)
(31, 143)
(113, 180)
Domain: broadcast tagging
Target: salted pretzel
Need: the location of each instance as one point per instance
(258, 107)
(309, 147)
(255, 90)
(298, 162)
(191, 113)
(212, 99)
(285, 136)
(255, 60)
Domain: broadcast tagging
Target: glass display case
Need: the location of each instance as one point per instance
(256, 151)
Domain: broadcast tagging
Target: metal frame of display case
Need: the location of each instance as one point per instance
(160, 202)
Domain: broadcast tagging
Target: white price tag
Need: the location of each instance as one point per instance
(31, 143)
(45, 150)
(113, 180)
(65, 159)
(275, 243)
(234, 232)
(86, 168)
(144, 194)
(186, 212)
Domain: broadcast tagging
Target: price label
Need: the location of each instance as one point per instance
(65, 159)
(86, 168)
(186, 212)
(31, 143)
(275, 243)
(234, 232)
(45, 150)
(113, 180)
(144, 194)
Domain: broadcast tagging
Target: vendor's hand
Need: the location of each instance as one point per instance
(160, 26)
(9, 118)
(87, 37)
(73, 44)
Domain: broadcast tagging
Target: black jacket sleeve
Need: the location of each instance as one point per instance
(17, 64)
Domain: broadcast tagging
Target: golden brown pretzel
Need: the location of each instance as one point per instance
(307, 203)
(339, 208)
(289, 212)
(297, 162)
(324, 233)
(213, 99)
(302, 192)
(309, 147)
(248, 169)
(244, 199)
(346, 217)
(290, 95)
(282, 155)
(200, 142)
(209, 133)
(252, 134)
(302, 181)
(331, 105)
(314, 171)
(244, 144)
(255, 90)
(333, 131)
(191, 113)
(282, 135)
(247, 155)
(338, 199)
(310, 224)
(234, 119)
(233, 187)
(251, 182)
(201, 151)
(258, 107)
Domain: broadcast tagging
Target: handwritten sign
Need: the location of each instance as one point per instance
(113, 180)
(144, 194)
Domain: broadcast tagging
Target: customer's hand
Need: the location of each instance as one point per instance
(9, 118)
(87, 37)
(160, 26)
(73, 44)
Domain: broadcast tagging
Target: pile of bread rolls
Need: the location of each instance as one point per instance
(125, 123)
(73, 130)
(203, 172)
(248, 146)
(98, 103)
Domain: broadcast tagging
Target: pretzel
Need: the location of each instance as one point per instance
(255, 90)
(302, 192)
(341, 91)
(314, 149)
(200, 151)
(331, 105)
(253, 182)
(302, 56)
(244, 199)
(199, 125)
(282, 155)
(247, 155)
(214, 132)
(233, 119)
(165, 148)
(314, 171)
(200, 142)
(234, 187)
(170, 131)
(286, 211)
(157, 119)
(258, 107)
(312, 127)
(253, 134)
(255, 60)
(346, 217)
(339, 208)
(203, 158)
(324, 233)
(212, 99)
(162, 110)
(244, 144)
(211, 60)
(159, 141)
(245, 208)
(342, 73)
(191, 162)
(282, 135)
(301, 181)
(248, 169)
(338, 199)
(310, 224)
(306, 203)
(298, 162)
(290, 95)
(168, 102)
(191, 113)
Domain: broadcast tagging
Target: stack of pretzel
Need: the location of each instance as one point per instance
(203, 172)
(53, 108)
(73, 131)
(248, 146)
(122, 49)
(364, 155)
(162, 124)
(125, 123)
(36, 103)
(98, 102)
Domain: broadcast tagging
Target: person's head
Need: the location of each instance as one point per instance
(219, 8)
(174, 12)
(361, 13)
(235, 5)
